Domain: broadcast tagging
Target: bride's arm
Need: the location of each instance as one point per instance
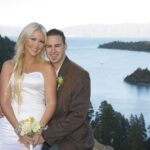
(50, 93)
(5, 96)
(50, 98)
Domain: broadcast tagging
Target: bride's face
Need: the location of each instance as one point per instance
(35, 43)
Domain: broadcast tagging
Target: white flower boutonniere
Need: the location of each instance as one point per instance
(60, 81)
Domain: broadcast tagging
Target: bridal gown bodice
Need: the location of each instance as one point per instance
(33, 105)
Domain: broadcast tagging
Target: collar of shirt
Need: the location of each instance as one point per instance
(57, 71)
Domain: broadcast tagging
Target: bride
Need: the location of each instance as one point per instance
(28, 86)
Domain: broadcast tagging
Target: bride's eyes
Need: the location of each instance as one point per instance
(33, 39)
(42, 42)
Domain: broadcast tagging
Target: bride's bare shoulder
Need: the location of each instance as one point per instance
(8, 66)
(47, 65)
(47, 68)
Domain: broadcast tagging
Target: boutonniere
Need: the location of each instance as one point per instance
(60, 81)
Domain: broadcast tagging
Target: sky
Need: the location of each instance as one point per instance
(66, 13)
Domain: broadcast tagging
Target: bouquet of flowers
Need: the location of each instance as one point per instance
(29, 127)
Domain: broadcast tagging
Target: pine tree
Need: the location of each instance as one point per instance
(147, 144)
(121, 130)
(137, 133)
(90, 113)
(105, 117)
(142, 127)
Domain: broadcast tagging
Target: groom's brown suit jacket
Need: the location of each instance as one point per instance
(69, 128)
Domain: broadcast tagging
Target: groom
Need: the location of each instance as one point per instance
(69, 128)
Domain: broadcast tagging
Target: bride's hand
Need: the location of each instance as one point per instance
(26, 140)
(41, 140)
(35, 139)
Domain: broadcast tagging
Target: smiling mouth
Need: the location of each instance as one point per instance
(34, 50)
(53, 55)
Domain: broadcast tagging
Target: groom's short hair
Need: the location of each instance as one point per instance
(57, 32)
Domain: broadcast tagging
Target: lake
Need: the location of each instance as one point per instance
(107, 69)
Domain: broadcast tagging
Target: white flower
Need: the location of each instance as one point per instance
(28, 127)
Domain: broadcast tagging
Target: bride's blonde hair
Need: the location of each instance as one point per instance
(18, 69)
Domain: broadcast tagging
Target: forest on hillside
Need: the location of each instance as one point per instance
(112, 128)
(6, 49)
(133, 46)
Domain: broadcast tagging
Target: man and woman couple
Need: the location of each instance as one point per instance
(29, 87)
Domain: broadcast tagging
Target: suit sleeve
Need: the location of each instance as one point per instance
(77, 114)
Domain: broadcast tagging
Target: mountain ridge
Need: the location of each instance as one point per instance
(109, 30)
(94, 30)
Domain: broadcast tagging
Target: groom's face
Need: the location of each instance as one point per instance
(55, 49)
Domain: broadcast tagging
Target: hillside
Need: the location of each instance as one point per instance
(134, 46)
(131, 30)
(6, 49)
(10, 31)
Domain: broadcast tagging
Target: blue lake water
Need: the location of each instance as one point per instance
(107, 70)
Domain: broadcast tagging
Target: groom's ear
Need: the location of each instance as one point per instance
(66, 46)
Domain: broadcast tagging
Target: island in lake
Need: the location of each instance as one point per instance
(133, 46)
(139, 76)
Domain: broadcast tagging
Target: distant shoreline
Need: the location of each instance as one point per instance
(141, 46)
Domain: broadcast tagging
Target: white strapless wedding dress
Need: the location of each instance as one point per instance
(33, 105)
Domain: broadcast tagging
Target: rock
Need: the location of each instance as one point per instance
(98, 146)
